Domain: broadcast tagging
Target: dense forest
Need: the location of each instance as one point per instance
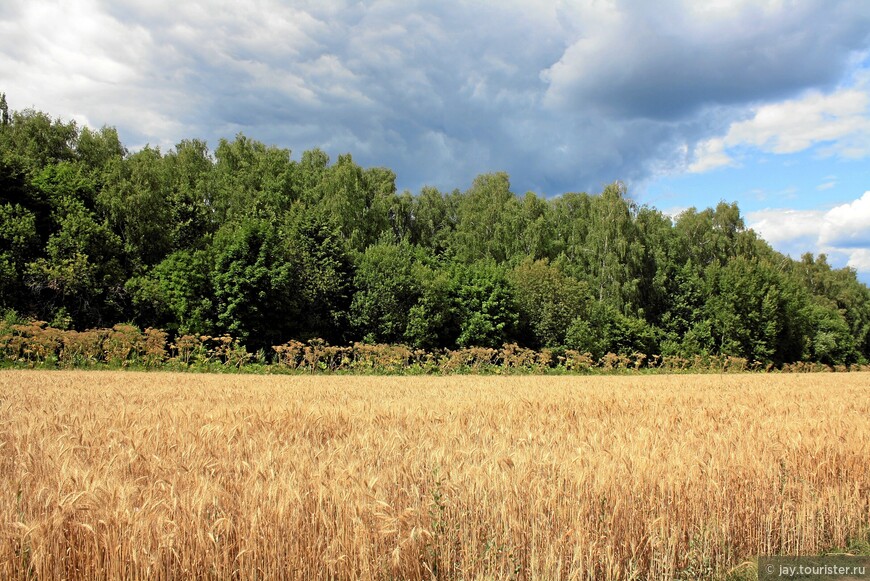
(246, 240)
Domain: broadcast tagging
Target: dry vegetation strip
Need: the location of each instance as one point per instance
(138, 475)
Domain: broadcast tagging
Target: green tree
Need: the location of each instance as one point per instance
(16, 188)
(62, 182)
(96, 149)
(537, 229)
(604, 329)
(386, 290)
(754, 311)
(357, 201)
(324, 277)
(434, 218)
(570, 215)
(4, 110)
(272, 285)
(838, 295)
(311, 171)
(486, 305)
(548, 301)
(489, 221)
(37, 140)
(81, 272)
(177, 294)
(434, 321)
(18, 245)
(830, 341)
(613, 249)
(655, 268)
(712, 235)
(135, 202)
(253, 281)
(190, 181)
(251, 180)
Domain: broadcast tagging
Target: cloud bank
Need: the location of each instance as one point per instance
(840, 121)
(563, 95)
(842, 231)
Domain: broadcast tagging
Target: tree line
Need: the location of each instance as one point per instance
(246, 241)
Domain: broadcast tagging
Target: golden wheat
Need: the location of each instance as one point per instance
(114, 475)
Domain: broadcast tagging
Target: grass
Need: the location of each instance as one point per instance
(124, 475)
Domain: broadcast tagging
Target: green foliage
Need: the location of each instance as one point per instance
(65, 182)
(81, 271)
(386, 291)
(36, 139)
(247, 244)
(251, 180)
(135, 202)
(189, 174)
(177, 294)
(357, 201)
(323, 278)
(253, 283)
(488, 313)
(4, 110)
(18, 244)
(548, 301)
(488, 221)
(271, 284)
(753, 311)
(96, 149)
(434, 219)
(606, 330)
(434, 321)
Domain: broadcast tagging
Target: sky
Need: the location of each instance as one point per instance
(761, 102)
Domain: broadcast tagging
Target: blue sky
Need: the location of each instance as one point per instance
(766, 103)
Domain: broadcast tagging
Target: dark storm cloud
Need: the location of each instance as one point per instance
(670, 59)
(565, 96)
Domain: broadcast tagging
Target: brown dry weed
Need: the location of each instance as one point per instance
(119, 475)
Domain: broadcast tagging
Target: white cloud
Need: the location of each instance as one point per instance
(74, 60)
(847, 225)
(710, 155)
(860, 260)
(674, 212)
(843, 230)
(781, 226)
(839, 121)
(798, 124)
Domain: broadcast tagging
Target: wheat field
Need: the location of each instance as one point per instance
(121, 475)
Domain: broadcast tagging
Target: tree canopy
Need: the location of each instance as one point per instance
(248, 241)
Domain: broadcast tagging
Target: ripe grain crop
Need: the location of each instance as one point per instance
(120, 475)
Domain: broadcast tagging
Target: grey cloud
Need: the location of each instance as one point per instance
(668, 60)
(561, 97)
